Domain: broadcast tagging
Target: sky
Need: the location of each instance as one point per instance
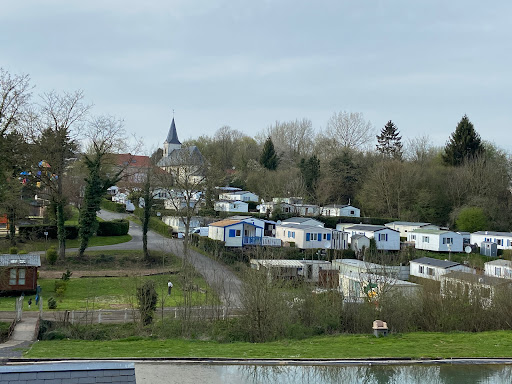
(248, 64)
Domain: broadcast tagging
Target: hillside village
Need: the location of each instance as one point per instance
(248, 221)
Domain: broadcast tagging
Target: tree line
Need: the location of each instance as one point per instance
(464, 184)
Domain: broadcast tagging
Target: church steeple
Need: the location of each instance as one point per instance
(172, 142)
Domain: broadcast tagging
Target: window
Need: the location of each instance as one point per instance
(500, 242)
(308, 236)
(289, 234)
(383, 237)
(421, 269)
(238, 233)
(17, 276)
(430, 272)
(425, 239)
(293, 235)
(413, 237)
(314, 236)
(497, 271)
(328, 236)
(352, 212)
(448, 240)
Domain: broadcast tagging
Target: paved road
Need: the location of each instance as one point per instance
(22, 337)
(220, 278)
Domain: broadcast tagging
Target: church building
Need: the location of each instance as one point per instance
(183, 163)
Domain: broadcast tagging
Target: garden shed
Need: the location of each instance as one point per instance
(19, 272)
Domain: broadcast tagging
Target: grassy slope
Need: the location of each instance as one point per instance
(416, 345)
(106, 293)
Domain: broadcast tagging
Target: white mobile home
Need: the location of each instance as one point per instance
(386, 239)
(235, 233)
(270, 207)
(502, 239)
(499, 268)
(177, 224)
(239, 196)
(302, 221)
(307, 270)
(307, 209)
(231, 206)
(356, 267)
(341, 210)
(436, 240)
(311, 237)
(359, 243)
(433, 269)
(404, 227)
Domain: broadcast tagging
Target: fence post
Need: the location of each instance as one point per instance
(175, 312)
(99, 316)
(223, 313)
(126, 315)
(73, 317)
(40, 306)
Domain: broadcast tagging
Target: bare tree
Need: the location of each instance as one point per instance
(14, 98)
(106, 137)
(350, 130)
(58, 124)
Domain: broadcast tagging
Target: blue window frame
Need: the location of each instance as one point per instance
(328, 236)
(319, 237)
(232, 233)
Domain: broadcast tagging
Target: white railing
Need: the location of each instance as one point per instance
(270, 242)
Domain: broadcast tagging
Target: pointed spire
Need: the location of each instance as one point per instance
(172, 136)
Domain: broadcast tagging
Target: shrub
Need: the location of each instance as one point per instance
(37, 231)
(60, 288)
(13, 251)
(111, 206)
(147, 298)
(52, 303)
(66, 275)
(113, 228)
(51, 255)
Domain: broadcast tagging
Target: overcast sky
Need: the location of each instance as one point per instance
(246, 64)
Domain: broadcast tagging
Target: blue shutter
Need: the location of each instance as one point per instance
(232, 233)
(308, 236)
(319, 237)
(328, 236)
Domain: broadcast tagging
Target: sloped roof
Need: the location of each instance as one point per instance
(432, 231)
(123, 159)
(224, 223)
(29, 260)
(501, 262)
(369, 228)
(410, 223)
(183, 156)
(172, 136)
(435, 262)
(493, 233)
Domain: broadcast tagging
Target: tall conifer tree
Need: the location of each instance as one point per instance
(390, 141)
(269, 158)
(465, 143)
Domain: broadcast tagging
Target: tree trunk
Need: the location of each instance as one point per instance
(61, 230)
(12, 228)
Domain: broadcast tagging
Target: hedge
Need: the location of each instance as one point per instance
(113, 228)
(111, 206)
(37, 231)
(157, 225)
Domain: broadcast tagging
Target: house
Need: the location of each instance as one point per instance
(405, 227)
(307, 209)
(288, 200)
(356, 267)
(270, 207)
(306, 270)
(499, 268)
(302, 221)
(231, 206)
(502, 239)
(369, 287)
(476, 287)
(178, 203)
(19, 272)
(359, 243)
(239, 233)
(437, 240)
(311, 237)
(177, 224)
(386, 239)
(185, 164)
(134, 168)
(429, 268)
(341, 210)
(269, 226)
(239, 196)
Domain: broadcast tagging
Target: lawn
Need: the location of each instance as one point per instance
(110, 293)
(42, 245)
(414, 345)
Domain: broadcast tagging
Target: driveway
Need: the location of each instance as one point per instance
(220, 278)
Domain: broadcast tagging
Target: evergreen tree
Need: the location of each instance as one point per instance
(310, 171)
(465, 143)
(269, 158)
(390, 143)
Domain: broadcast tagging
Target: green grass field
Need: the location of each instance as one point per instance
(42, 245)
(415, 345)
(110, 293)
